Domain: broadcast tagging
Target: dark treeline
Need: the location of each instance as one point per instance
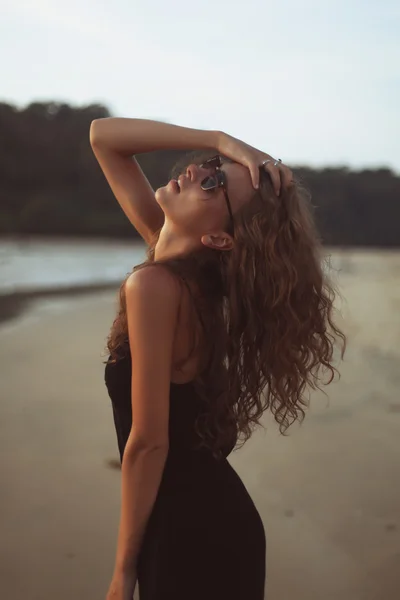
(51, 184)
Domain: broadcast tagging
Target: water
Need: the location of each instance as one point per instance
(40, 264)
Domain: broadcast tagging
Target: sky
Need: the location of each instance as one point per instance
(313, 82)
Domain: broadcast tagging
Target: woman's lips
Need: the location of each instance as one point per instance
(173, 183)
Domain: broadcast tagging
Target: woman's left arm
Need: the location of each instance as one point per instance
(152, 302)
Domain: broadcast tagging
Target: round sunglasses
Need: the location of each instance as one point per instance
(217, 180)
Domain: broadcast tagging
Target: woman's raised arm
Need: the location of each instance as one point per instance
(115, 141)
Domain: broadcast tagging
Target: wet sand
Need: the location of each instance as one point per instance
(329, 494)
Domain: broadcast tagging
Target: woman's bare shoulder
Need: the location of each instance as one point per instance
(156, 281)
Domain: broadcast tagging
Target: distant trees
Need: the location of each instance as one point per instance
(50, 183)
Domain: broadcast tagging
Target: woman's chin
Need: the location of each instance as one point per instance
(160, 194)
(164, 194)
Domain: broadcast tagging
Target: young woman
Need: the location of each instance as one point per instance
(230, 316)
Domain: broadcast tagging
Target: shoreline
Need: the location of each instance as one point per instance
(361, 262)
(14, 304)
(130, 240)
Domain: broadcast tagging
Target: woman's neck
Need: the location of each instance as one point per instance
(172, 243)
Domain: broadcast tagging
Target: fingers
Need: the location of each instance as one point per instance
(281, 176)
(287, 177)
(255, 175)
(275, 176)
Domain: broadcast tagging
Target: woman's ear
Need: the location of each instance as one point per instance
(218, 241)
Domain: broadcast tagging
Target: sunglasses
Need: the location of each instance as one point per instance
(217, 180)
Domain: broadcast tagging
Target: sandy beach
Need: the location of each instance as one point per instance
(329, 493)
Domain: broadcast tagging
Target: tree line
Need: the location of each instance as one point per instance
(51, 184)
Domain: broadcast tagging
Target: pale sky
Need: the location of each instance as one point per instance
(313, 82)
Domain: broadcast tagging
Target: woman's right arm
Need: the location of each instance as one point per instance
(115, 141)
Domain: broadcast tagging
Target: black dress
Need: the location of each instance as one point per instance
(205, 539)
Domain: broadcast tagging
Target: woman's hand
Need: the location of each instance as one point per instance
(122, 586)
(250, 157)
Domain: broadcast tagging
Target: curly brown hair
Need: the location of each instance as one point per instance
(267, 312)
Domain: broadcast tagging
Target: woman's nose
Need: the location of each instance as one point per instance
(192, 172)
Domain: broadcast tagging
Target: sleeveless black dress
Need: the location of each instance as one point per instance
(205, 539)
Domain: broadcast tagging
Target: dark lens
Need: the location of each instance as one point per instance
(211, 163)
(209, 183)
(218, 161)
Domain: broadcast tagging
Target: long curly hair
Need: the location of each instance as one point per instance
(267, 309)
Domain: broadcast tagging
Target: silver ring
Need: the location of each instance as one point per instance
(265, 162)
(277, 161)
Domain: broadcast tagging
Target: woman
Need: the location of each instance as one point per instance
(229, 316)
